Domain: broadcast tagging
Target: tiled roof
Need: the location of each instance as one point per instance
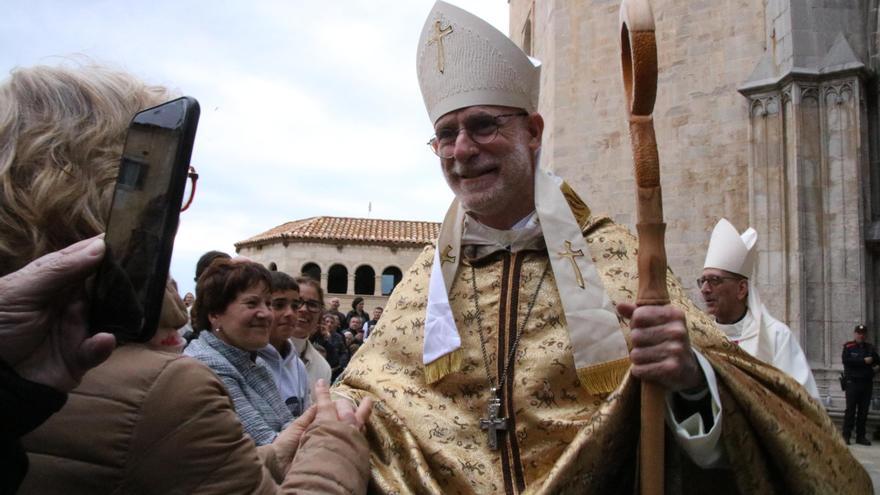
(349, 230)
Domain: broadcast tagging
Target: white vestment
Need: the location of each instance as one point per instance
(786, 353)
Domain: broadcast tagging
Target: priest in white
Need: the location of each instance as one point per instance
(731, 296)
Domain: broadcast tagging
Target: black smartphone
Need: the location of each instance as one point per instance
(129, 287)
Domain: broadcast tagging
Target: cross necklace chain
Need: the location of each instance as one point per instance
(493, 422)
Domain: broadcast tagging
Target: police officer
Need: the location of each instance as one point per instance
(860, 361)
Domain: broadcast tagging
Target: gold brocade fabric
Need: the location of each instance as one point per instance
(427, 438)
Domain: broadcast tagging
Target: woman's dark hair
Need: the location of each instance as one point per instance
(314, 283)
(221, 283)
(282, 281)
(355, 302)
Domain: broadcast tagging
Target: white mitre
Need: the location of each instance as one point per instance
(736, 253)
(463, 61)
(730, 251)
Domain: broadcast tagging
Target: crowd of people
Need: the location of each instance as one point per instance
(515, 368)
(306, 342)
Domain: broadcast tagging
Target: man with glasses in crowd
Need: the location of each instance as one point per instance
(728, 289)
(502, 363)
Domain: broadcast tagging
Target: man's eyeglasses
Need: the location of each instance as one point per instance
(295, 304)
(714, 281)
(481, 129)
(312, 306)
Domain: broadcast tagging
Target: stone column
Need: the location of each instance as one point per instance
(845, 176)
(808, 194)
(810, 187)
(377, 285)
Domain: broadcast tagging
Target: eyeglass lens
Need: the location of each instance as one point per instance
(482, 129)
(313, 306)
(712, 280)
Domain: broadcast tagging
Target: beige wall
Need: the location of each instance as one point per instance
(762, 117)
(705, 50)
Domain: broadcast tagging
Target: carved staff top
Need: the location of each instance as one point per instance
(639, 68)
(638, 46)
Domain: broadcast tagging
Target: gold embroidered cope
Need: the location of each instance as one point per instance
(559, 438)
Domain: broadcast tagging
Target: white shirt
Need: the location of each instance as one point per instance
(290, 377)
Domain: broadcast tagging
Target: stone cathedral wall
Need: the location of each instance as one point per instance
(766, 114)
(705, 50)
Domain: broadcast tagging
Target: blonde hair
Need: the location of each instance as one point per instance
(61, 136)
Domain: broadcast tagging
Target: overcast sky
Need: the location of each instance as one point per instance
(308, 107)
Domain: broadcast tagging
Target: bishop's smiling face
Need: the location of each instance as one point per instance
(493, 181)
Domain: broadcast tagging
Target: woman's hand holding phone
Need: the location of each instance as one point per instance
(44, 331)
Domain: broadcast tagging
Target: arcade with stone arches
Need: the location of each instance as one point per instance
(351, 257)
(362, 280)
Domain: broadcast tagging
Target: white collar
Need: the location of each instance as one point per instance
(525, 234)
(737, 331)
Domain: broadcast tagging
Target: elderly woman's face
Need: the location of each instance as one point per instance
(246, 321)
(306, 321)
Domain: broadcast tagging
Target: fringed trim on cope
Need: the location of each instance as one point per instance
(603, 378)
(442, 366)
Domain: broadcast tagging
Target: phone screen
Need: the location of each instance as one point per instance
(142, 223)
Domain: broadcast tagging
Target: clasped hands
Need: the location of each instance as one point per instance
(661, 350)
(323, 410)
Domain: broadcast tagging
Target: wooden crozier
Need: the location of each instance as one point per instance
(638, 47)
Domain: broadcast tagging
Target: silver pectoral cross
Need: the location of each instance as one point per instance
(493, 424)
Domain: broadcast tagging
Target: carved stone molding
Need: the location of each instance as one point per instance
(764, 105)
(804, 174)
